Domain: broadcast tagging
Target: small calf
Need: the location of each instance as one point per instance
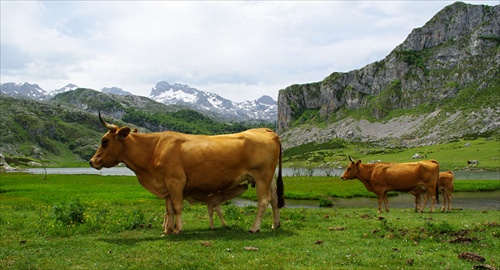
(445, 185)
(212, 200)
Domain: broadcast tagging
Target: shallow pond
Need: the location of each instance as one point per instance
(485, 200)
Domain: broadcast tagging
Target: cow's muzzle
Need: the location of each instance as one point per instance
(93, 165)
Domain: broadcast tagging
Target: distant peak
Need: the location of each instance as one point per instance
(266, 100)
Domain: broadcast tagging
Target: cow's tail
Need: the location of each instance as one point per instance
(437, 180)
(437, 193)
(279, 183)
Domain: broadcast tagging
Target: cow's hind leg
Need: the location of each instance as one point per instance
(276, 209)
(263, 198)
(445, 200)
(450, 197)
(432, 194)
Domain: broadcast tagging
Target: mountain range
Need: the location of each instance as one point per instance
(262, 109)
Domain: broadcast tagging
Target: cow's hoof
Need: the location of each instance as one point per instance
(252, 231)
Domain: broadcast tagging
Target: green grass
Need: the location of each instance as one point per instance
(122, 225)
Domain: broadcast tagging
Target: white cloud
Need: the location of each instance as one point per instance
(238, 49)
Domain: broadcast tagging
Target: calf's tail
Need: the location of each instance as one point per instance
(279, 183)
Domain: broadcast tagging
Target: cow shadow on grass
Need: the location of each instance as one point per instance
(232, 233)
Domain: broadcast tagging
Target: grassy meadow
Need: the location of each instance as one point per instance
(452, 155)
(111, 222)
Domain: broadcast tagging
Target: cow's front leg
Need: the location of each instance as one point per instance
(380, 198)
(386, 202)
(177, 210)
(168, 221)
(165, 220)
(221, 217)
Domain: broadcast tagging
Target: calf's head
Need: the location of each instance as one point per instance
(352, 170)
(111, 150)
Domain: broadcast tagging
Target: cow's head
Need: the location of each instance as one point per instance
(111, 150)
(352, 170)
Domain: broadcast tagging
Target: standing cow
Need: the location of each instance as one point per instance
(381, 178)
(171, 164)
(445, 185)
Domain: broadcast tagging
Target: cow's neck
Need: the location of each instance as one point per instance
(138, 151)
(365, 174)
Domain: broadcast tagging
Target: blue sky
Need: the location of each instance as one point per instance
(240, 50)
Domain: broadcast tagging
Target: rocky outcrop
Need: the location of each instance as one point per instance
(457, 49)
(4, 166)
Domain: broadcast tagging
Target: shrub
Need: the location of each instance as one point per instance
(325, 202)
(70, 213)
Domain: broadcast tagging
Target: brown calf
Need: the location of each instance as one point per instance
(212, 200)
(445, 185)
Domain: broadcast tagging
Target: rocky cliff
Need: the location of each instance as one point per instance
(456, 53)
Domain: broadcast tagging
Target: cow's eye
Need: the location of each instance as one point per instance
(104, 143)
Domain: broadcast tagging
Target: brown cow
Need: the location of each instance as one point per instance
(171, 164)
(380, 178)
(445, 185)
(212, 200)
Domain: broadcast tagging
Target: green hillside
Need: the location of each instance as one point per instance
(451, 156)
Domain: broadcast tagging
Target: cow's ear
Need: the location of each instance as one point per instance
(123, 132)
(358, 162)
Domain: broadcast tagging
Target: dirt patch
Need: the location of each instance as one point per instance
(471, 256)
(463, 240)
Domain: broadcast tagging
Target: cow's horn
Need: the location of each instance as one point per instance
(350, 158)
(109, 126)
